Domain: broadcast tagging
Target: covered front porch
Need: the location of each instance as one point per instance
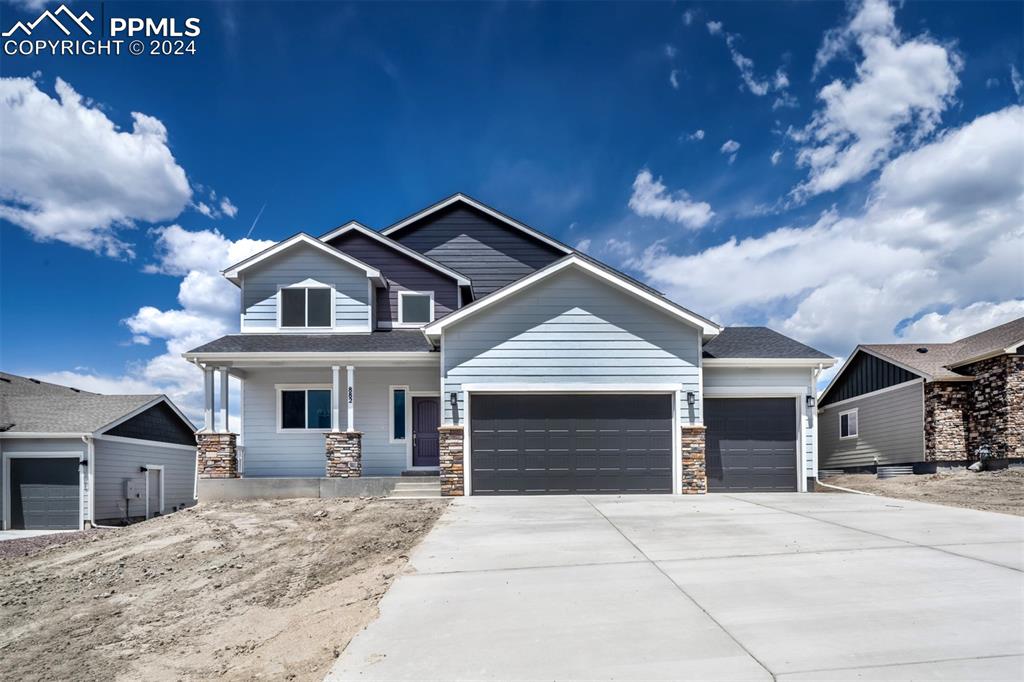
(346, 416)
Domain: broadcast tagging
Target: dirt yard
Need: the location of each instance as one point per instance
(244, 590)
(998, 491)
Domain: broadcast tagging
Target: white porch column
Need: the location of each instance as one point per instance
(224, 400)
(208, 425)
(351, 398)
(335, 398)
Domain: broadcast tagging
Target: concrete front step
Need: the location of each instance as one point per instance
(417, 489)
(415, 494)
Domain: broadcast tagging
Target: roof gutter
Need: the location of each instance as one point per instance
(769, 362)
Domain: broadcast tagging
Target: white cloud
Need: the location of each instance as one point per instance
(714, 27)
(688, 17)
(583, 245)
(992, 83)
(1016, 80)
(960, 322)
(228, 208)
(673, 78)
(776, 157)
(697, 135)
(68, 173)
(751, 81)
(943, 230)
(781, 81)
(671, 51)
(618, 247)
(897, 97)
(730, 148)
(653, 200)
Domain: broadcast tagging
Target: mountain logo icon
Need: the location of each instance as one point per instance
(69, 16)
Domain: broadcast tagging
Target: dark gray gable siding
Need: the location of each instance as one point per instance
(489, 252)
(866, 373)
(403, 274)
(160, 423)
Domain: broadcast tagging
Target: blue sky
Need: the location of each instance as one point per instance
(581, 119)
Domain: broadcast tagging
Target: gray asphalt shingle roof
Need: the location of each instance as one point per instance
(758, 342)
(383, 341)
(29, 406)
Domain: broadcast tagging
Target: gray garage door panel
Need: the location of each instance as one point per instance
(44, 493)
(551, 444)
(751, 444)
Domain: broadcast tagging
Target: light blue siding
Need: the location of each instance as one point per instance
(117, 461)
(759, 378)
(261, 283)
(72, 447)
(571, 329)
(269, 453)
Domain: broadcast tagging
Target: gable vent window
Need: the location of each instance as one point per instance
(415, 307)
(306, 307)
(848, 424)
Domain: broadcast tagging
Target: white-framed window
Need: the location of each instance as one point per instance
(303, 408)
(308, 305)
(848, 424)
(398, 409)
(415, 308)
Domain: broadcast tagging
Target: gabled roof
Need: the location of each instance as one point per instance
(1004, 339)
(354, 226)
(380, 341)
(707, 327)
(27, 407)
(473, 203)
(739, 343)
(233, 272)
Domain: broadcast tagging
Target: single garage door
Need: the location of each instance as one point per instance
(751, 444)
(594, 443)
(44, 493)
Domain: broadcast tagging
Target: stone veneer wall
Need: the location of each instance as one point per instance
(996, 413)
(217, 455)
(344, 454)
(946, 407)
(450, 443)
(694, 471)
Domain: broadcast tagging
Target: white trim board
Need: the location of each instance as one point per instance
(232, 273)
(768, 362)
(469, 201)
(708, 328)
(160, 468)
(401, 323)
(140, 441)
(397, 246)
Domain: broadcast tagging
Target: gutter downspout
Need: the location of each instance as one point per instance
(817, 481)
(91, 458)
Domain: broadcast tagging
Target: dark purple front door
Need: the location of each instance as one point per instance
(426, 417)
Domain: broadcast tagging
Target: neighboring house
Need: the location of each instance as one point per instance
(70, 456)
(926, 403)
(463, 342)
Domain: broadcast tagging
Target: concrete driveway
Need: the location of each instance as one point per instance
(754, 586)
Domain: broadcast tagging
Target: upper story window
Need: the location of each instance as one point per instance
(848, 424)
(307, 306)
(415, 307)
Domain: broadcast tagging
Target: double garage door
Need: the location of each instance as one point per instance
(44, 493)
(623, 443)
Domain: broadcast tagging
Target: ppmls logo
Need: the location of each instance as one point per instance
(70, 17)
(165, 36)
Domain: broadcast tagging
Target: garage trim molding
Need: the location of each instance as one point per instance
(8, 456)
(673, 390)
(160, 468)
(797, 393)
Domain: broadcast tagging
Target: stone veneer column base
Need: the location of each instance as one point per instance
(344, 454)
(946, 411)
(694, 471)
(217, 455)
(450, 443)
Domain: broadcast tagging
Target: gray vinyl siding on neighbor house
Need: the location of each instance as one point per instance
(268, 453)
(489, 252)
(864, 374)
(119, 460)
(757, 380)
(403, 274)
(890, 428)
(72, 447)
(570, 329)
(260, 285)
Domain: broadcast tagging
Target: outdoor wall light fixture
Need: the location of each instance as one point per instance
(691, 398)
(810, 402)
(454, 399)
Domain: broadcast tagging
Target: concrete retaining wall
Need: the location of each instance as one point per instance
(213, 489)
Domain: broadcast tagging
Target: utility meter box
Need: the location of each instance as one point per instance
(134, 489)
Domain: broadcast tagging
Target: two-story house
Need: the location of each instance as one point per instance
(463, 342)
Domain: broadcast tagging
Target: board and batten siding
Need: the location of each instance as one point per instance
(72, 447)
(268, 453)
(758, 380)
(403, 274)
(570, 329)
(260, 285)
(117, 461)
(890, 429)
(489, 252)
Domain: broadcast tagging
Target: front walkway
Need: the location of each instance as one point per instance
(756, 586)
